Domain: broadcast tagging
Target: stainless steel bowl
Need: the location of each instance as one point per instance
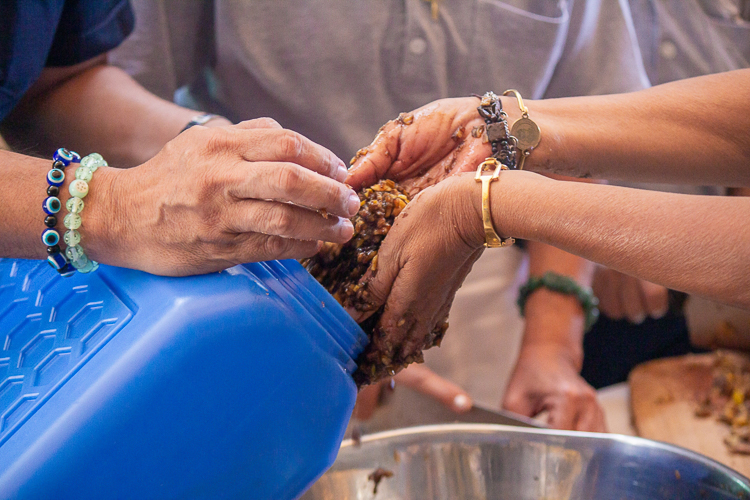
(496, 462)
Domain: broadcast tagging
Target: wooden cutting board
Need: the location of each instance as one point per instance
(663, 396)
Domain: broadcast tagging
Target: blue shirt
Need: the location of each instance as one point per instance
(38, 34)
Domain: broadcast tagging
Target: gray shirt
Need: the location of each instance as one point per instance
(336, 70)
(687, 38)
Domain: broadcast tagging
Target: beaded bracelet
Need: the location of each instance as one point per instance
(78, 189)
(562, 284)
(52, 205)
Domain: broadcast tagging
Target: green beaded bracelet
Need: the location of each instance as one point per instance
(78, 189)
(561, 284)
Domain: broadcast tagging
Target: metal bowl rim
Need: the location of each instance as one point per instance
(446, 429)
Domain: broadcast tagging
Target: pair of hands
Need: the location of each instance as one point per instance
(432, 246)
(219, 196)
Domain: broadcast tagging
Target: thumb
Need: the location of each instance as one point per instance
(373, 162)
(422, 379)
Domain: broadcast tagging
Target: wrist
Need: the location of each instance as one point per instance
(543, 352)
(102, 234)
(559, 284)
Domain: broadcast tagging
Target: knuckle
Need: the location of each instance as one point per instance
(267, 122)
(217, 139)
(283, 222)
(587, 395)
(292, 144)
(275, 245)
(289, 178)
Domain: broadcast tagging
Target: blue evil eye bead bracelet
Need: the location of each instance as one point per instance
(52, 205)
(78, 189)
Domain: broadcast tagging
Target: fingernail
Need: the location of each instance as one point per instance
(462, 402)
(639, 319)
(341, 174)
(660, 314)
(352, 204)
(345, 228)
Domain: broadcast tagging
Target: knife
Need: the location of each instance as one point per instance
(404, 407)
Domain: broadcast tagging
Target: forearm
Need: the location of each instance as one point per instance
(555, 320)
(693, 131)
(696, 244)
(98, 109)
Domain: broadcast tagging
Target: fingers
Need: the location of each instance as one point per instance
(519, 402)
(655, 299)
(562, 414)
(288, 182)
(265, 142)
(369, 168)
(422, 379)
(259, 123)
(632, 302)
(287, 221)
(641, 299)
(622, 296)
(606, 287)
(260, 247)
(592, 419)
(576, 408)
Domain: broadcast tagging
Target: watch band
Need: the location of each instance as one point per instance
(201, 119)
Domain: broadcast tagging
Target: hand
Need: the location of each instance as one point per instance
(545, 380)
(622, 296)
(422, 263)
(420, 148)
(417, 377)
(216, 197)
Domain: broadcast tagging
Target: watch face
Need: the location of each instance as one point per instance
(527, 132)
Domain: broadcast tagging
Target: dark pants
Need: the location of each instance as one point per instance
(612, 348)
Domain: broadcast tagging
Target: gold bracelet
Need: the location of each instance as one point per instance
(487, 172)
(525, 130)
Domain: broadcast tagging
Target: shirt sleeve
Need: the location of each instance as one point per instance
(89, 28)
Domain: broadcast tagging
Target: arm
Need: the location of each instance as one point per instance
(652, 235)
(694, 244)
(546, 376)
(95, 107)
(209, 199)
(691, 132)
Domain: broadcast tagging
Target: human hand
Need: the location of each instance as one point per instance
(420, 148)
(421, 264)
(545, 380)
(421, 379)
(216, 197)
(622, 296)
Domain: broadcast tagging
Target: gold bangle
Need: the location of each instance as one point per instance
(487, 172)
(525, 130)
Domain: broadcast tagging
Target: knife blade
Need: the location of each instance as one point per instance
(405, 407)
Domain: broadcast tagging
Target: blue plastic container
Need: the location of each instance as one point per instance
(120, 384)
